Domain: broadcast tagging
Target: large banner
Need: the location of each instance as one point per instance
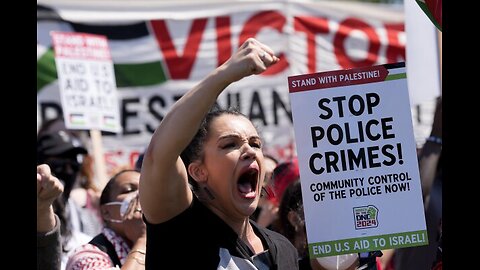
(161, 50)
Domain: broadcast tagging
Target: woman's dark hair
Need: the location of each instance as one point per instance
(291, 201)
(194, 150)
(105, 197)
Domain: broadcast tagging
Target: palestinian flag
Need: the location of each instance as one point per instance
(135, 50)
(433, 9)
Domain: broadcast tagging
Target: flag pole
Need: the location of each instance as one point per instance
(99, 158)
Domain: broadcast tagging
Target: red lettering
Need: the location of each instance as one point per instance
(395, 50)
(133, 158)
(255, 24)
(224, 39)
(311, 26)
(110, 160)
(115, 160)
(344, 30)
(179, 66)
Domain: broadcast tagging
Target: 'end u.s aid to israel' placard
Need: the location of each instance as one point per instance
(86, 80)
(358, 163)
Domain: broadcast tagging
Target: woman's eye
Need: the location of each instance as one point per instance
(256, 144)
(129, 189)
(228, 145)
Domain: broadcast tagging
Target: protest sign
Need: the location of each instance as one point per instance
(357, 159)
(86, 81)
(88, 90)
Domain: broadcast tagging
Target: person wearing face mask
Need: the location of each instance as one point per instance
(122, 242)
(63, 152)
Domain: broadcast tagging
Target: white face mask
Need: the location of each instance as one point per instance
(126, 206)
(339, 262)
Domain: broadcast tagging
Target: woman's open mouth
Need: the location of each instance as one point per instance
(247, 183)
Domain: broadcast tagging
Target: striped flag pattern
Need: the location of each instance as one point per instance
(433, 9)
(137, 60)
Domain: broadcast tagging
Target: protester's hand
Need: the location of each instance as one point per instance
(136, 231)
(48, 187)
(252, 57)
(134, 226)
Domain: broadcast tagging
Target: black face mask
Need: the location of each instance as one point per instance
(66, 170)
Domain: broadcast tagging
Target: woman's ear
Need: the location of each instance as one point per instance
(198, 172)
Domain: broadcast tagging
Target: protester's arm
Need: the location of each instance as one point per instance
(48, 224)
(164, 190)
(48, 189)
(49, 248)
(430, 153)
(135, 232)
(136, 257)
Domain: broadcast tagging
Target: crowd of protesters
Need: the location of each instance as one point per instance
(208, 199)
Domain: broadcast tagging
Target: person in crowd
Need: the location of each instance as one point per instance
(201, 179)
(292, 225)
(431, 177)
(63, 153)
(283, 174)
(270, 164)
(122, 242)
(86, 193)
(49, 247)
(292, 220)
(266, 212)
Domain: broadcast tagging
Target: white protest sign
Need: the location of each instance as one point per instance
(87, 81)
(357, 158)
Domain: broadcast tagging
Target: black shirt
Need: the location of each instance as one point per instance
(199, 239)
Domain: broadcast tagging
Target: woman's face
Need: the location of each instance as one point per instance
(233, 160)
(131, 225)
(125, 185)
